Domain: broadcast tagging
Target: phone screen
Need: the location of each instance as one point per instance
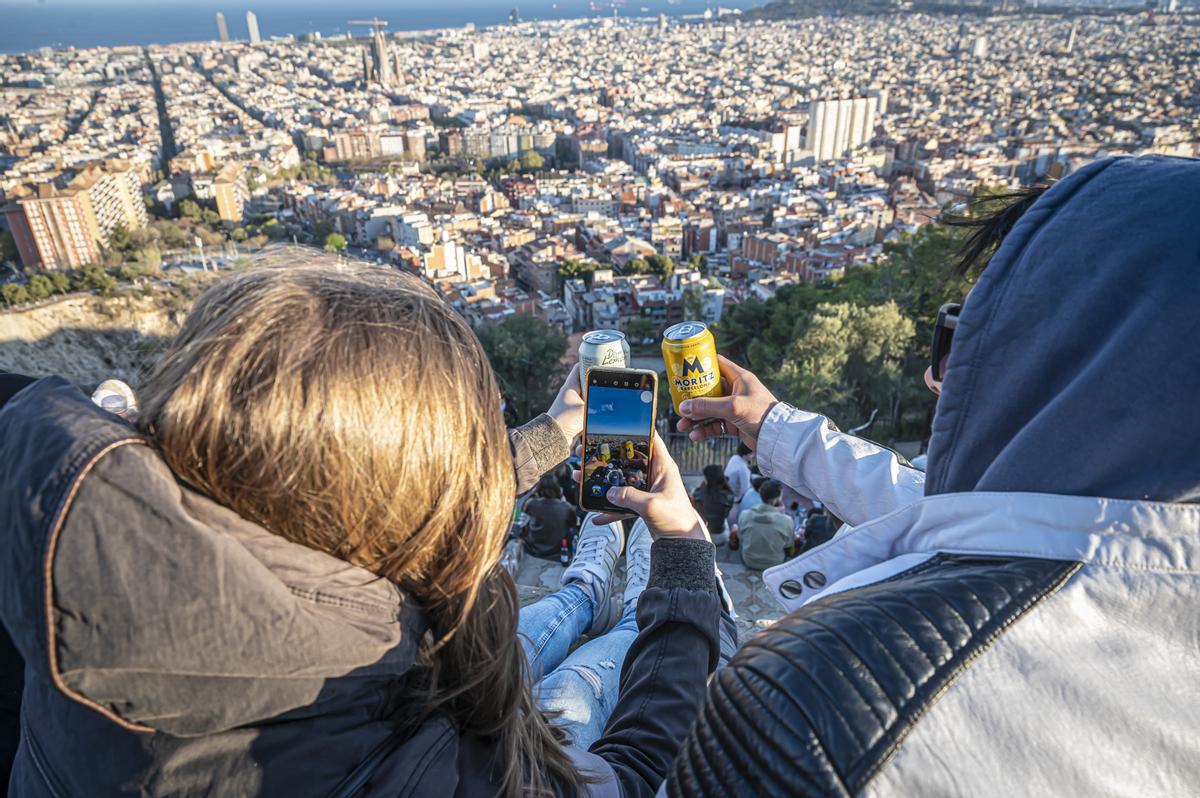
(616, 434)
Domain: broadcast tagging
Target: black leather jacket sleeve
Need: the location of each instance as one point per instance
(666, 670)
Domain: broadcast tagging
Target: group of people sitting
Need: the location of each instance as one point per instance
(749, 513)
(282, 576)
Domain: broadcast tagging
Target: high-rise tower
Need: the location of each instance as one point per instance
(222, 28)
(252, 26)
(835, 126)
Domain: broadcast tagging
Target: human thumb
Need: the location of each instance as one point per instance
(707, 407)
(629, 498)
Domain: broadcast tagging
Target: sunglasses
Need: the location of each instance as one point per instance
(943, 334)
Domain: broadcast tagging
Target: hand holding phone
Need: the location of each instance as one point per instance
(626, 466)
(618, 421)
(664, 504)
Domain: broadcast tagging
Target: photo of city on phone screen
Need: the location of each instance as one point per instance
(616, 449)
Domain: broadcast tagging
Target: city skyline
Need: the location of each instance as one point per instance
(597, 173)
(90, 24)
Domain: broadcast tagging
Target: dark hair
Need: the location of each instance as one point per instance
(743, 449)
(714, 477)
(770, 491)
(548, 487)
(989, 218)
(757, 480)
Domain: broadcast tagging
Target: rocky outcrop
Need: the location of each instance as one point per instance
(87, 338)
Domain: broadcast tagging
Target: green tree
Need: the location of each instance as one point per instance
(60, 281)
(526, 354)
(636, 266)
(111, 258)
(239, 234)
(914, 274)
(275, 231)
(335, 242)
(570, 269)
(151, 259)
(910, 281)
(322, 229)
(661, 266)
(638, 330)
(847, 361)
(699, 263)
(171, 234)
(14, 294)
(210, 217)
(39, 287)
(532, 162)
(94, 278)
(119, 239)
(189, 210)
(130, 272)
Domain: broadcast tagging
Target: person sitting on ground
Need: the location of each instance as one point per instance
(818, 526)
(752, 497)
(550, 519)
(713, 498)
(739, 477)
(750, 500)
(285, 580)
(1021, 619)
(765, 531)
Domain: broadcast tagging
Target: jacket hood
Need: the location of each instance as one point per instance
(160, 608)
(1075, 367)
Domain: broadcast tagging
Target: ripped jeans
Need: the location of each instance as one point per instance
(583, 686)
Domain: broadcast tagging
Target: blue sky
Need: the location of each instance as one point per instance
(618, 411)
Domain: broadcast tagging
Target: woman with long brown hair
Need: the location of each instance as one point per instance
(284, 580)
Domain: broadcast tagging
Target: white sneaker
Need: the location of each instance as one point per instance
(637, 562)
(596, 551)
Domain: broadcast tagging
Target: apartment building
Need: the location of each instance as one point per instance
(231, 192)
(65, 228)
(836, 126)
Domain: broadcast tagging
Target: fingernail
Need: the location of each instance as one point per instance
(685, 407)
(611, 494)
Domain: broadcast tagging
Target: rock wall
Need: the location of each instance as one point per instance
(87, 338)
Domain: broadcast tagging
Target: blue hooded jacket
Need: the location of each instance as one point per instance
(1075, 367)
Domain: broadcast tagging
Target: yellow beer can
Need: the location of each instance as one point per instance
(690, 352)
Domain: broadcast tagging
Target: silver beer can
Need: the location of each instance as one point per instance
(603, 348)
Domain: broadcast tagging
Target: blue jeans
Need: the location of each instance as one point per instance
(581, 687)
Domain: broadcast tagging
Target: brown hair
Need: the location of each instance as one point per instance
(351, 410)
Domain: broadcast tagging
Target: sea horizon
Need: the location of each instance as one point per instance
(34, 24)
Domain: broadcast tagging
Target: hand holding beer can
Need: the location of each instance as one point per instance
(603, 348)
(690, 352)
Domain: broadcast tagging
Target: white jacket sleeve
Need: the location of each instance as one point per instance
(856, 479)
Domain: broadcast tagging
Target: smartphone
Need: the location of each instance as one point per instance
(617, 429)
